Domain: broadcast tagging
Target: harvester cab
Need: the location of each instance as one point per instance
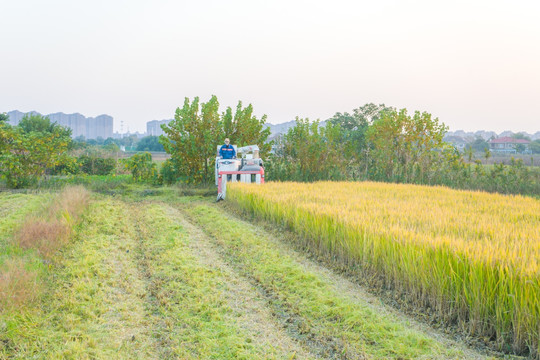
(247, 168)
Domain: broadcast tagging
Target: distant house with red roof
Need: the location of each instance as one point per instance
(508, 144)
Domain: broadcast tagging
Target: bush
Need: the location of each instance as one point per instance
(168, 172)
(93, 165)
(31, 149)
(141, 167)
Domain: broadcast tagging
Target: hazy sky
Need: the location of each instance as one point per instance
(473, 64)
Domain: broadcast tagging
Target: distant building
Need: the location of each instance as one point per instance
(458, 142)
(91, 128)
(153, 128)
(508, 144)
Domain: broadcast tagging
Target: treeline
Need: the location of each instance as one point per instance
(130, 143)
(380, 143)
(37, 147)
(374, 142)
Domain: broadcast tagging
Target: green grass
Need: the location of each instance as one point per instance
(95, 307)
(14, 208)
(140, 281)
(191, 297)
(350, 329)
(98, 183)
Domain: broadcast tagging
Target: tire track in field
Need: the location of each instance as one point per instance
(243, 298)
(296, 328)
(247, 309)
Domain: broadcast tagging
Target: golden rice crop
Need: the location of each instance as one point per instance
(472, 256)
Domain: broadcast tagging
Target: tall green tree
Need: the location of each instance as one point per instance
(244, 128)
(196, 131)
(192, 138)
(310, 152)
(28, 151)
(4, 118)
(404, 147)
(354, 127)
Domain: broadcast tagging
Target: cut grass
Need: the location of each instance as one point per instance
(13, 209)
(196, 316)
(21, 271)
(139, 281)
(350, 329)
(96, 310)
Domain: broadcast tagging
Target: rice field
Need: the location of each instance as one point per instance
(473, 257)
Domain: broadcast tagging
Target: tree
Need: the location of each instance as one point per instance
(4, 118)
(520, 148)
(535, 146)
(142, 167)
(28, 151)
(192, 139)
(354, 127)
(310, 152)
(361, 117)
(403, 148)
(521, 136)
(149, 143)
(479, 145)
(196, 131)
(245, 129)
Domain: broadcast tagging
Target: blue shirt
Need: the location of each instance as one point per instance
(227, 152)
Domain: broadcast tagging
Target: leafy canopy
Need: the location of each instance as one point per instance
(29, 150)
(198, 128)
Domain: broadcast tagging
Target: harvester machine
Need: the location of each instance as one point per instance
(247, 167)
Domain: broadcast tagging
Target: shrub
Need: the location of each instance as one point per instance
(93, 165)
(168, 172)
(141, 167)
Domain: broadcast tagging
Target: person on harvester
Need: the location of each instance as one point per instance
(227, 151)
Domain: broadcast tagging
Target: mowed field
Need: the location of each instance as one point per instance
(151, 274)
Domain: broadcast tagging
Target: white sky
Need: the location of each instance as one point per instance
(474, 64)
